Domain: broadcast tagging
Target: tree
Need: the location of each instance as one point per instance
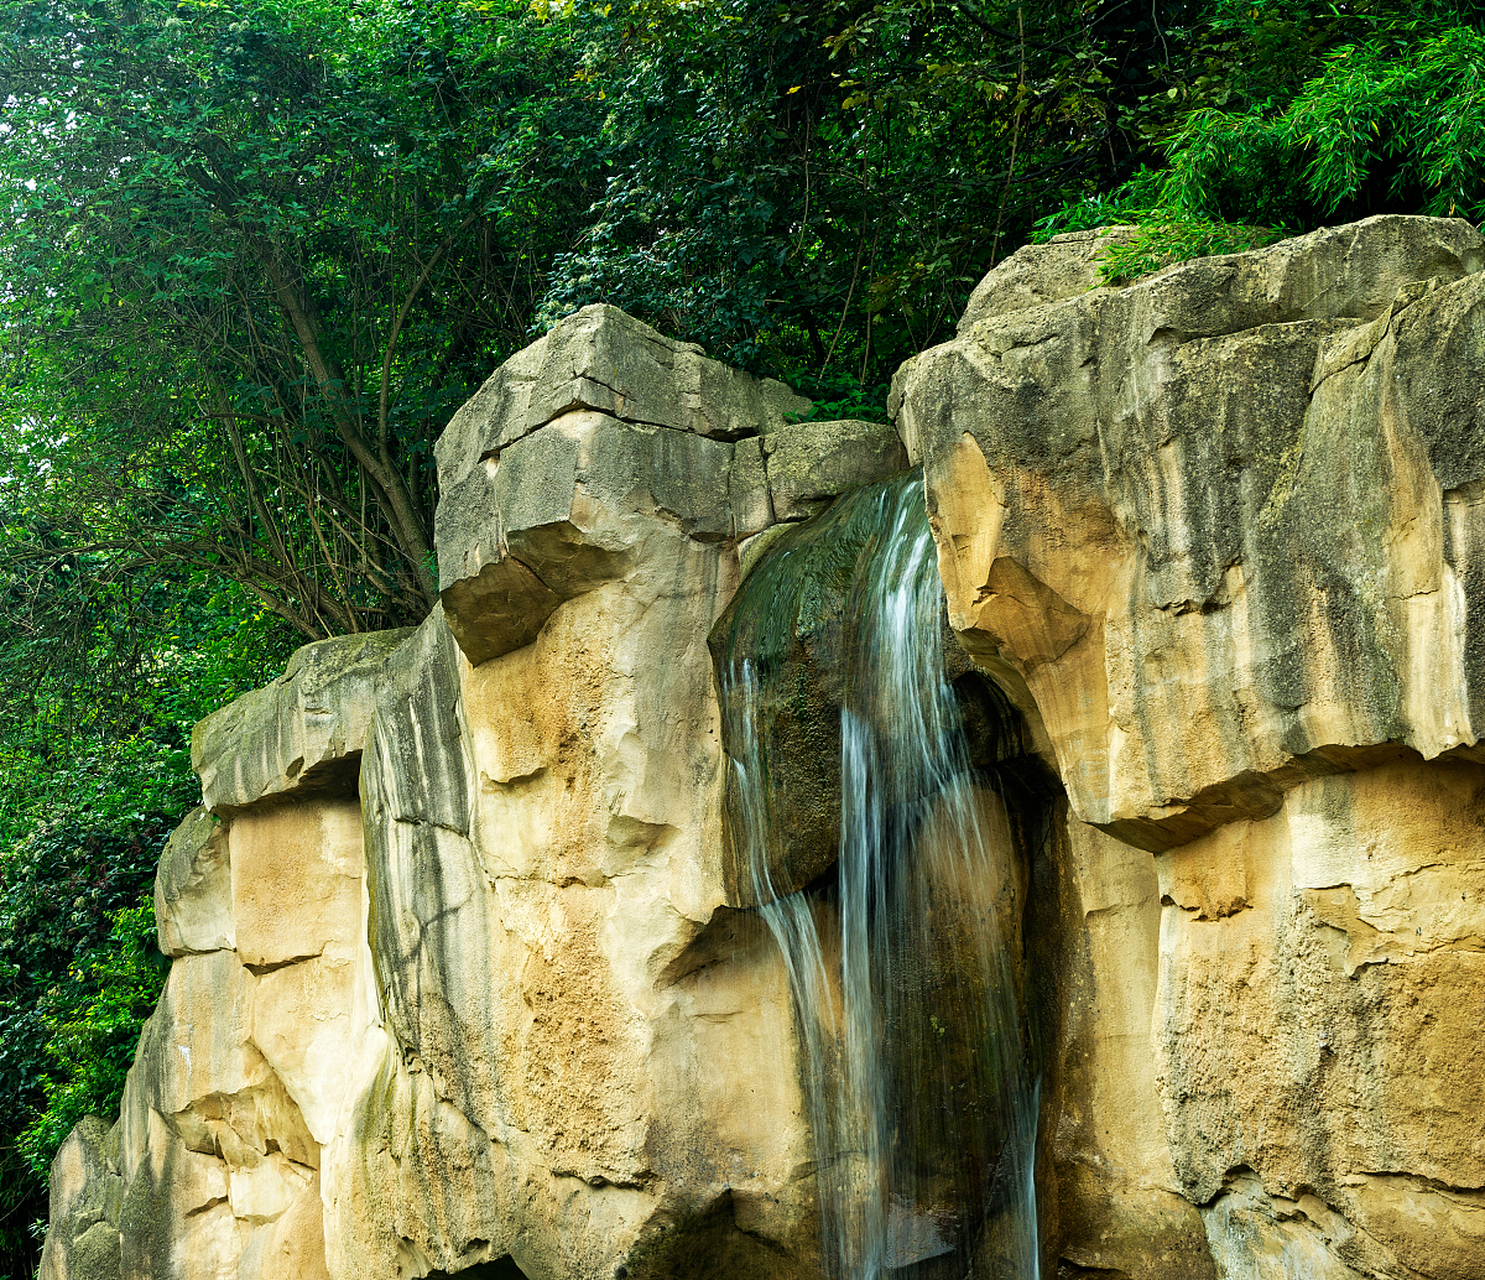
(98, 692)
(1288, 116)
(259, 254)
(812, 190)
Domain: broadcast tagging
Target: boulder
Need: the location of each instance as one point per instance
(1219, 521)
(193, 888)
(810, 463)
(457, 990)
(1067, 266)
(86, 1197)
(570, 454)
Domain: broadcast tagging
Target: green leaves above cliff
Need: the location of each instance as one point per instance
(1394, 121)
(257, 255)
(814, 189)
(1290, 116)
(257, 251)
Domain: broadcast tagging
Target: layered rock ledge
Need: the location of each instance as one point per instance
(1220, 532)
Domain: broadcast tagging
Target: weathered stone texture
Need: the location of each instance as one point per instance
(302, 733)
(597, 433)
(86, 1196)
(1321, 1030)
(193, 888)
(462, 983)
(1202, 516)
(494, 1013)
(1217, 533)
(811, 463)
(1065, 267)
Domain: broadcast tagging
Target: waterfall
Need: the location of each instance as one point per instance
(902, 962)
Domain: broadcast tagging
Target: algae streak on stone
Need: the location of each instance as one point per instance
(1222, 530)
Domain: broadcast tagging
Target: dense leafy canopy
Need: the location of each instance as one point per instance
(1288, 115)
(259, 255)
(256, 251)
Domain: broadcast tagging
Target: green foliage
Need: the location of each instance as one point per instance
(1136, 201)
(807, 189)
(1285, 116)
(101, 682)
(837, 394)
(61, 892)
(1396, 119)
(93, 1020)
(1166, 234)
(1162, 243)
(258, 253)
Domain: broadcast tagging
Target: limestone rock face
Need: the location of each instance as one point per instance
(302, 733)
(86, 1196)
(1221, 522)
(193, 889)
(463, 979)
(455, 982)
(574, 450)
(811, 463)
(1218, 532)
(1065, 267)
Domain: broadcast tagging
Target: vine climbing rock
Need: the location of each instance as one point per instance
(463, 982)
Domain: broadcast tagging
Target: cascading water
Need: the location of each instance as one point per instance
(903, 970)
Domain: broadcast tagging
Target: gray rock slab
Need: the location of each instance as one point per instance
(304, 732)
(566, 509)
(193, 888)
(1212, 500)
(550, 472)
(1065, 267)
(811, 462)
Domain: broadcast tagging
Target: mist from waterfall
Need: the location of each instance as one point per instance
(903, 968)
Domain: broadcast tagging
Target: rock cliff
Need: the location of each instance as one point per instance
(1221, 530)
(463, 978)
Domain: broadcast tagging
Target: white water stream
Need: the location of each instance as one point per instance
(922, 1104)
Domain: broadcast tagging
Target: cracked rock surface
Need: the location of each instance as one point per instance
(1220, 531)
(455, 986)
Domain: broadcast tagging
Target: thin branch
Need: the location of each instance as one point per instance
(383, 405)
(970, 12)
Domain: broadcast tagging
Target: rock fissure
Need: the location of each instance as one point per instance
(273, 966)
(1473, 1195)
(414, 820)
(206, 1207)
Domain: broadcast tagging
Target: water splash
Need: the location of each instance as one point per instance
(903, 970)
